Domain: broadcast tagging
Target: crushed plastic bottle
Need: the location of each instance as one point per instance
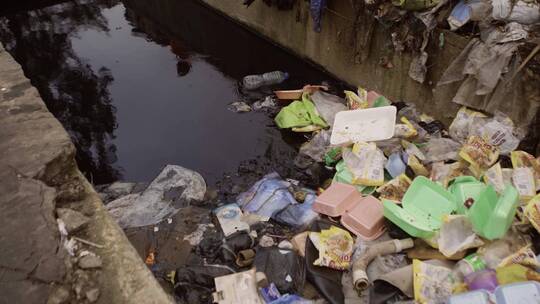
(253, 82)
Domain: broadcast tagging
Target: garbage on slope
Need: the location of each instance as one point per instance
(465, 196)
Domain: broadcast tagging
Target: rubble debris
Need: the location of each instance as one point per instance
(89, 261)
(239, 107)
(72, 219)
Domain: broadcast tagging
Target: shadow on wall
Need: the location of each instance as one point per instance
(40, 40)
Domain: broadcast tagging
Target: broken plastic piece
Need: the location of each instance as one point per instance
(230, 219)
(238, 288)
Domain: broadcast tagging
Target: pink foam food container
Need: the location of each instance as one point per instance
(336, 199)
(365, 219)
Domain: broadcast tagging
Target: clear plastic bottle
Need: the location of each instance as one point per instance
(468, 265)
(253, 82)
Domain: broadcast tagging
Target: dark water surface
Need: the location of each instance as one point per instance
(136, 96)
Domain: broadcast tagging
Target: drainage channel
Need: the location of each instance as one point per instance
(135, 95)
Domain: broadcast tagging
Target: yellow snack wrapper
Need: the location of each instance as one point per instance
(494, 177)
(459, 129)
(417, 167)
(523, 180)
(532, 212)
(335, 248)
(412, 149)
(516, 273)
(405, 129)
(522, 159)
(432, 284)
(525, 256)
(444, 173)
(355, 101)
(366, 162)
(395, 189)
(479, 154)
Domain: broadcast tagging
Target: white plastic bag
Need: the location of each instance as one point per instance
(328, 105)
(498, 131)
(441, 149)
(459, 129)
(456, 235)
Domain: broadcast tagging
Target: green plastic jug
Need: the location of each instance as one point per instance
(424, 205)
(492, 216)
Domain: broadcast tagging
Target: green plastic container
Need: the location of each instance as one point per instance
(424, 205)
(492, 216)
(465, 188)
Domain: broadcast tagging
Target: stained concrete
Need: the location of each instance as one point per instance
(38, 174)
(344, 50)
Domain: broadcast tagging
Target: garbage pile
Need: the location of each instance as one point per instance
(485, 76)
(414, 212)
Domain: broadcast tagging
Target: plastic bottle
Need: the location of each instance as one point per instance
(253, 82)
(468, 265)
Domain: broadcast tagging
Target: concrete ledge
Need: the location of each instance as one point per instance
(39, 174)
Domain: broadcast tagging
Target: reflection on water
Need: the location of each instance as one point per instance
(138, 88)
(77, 95)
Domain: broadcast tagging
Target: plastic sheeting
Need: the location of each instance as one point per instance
(175, 187)
(270, 197)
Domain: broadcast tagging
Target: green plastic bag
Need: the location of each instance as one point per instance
(381, 101)
(300, 113)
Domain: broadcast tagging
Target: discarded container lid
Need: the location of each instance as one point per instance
(424, 205)
(490, 215)
(289, 94)
(365, 219)
(522, 292)
(364, 125)
(473, 297)
(466, 190)
(336, 199)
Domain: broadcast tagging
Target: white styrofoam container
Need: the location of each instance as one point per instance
(364, 125)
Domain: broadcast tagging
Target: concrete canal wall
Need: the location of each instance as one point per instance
(40, 181)
(344, 49)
